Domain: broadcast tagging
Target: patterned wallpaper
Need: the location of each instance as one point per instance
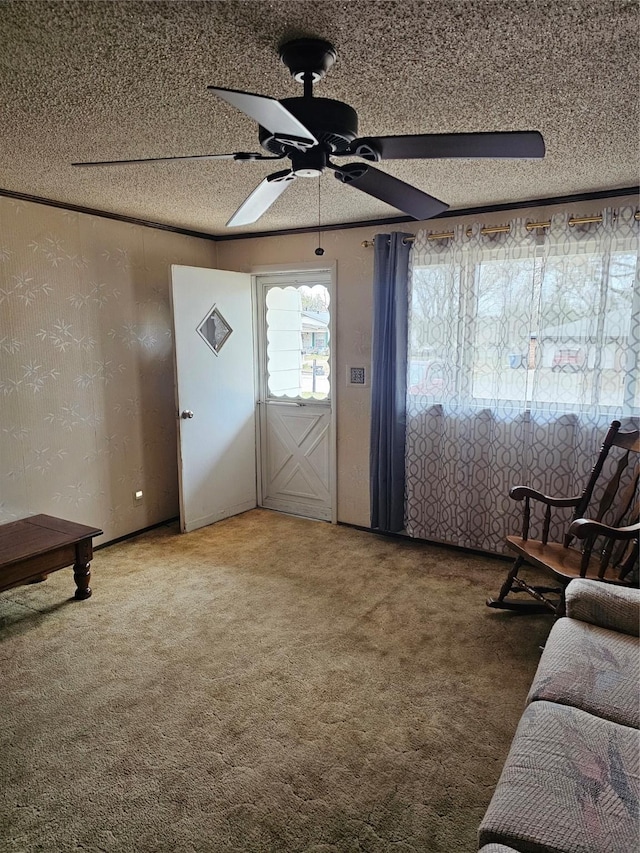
(86, 372)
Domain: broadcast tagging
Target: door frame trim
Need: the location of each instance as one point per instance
(283, 269)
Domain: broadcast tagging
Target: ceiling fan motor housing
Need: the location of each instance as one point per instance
(333, 123)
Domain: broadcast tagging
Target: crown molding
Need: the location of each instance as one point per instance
(105, 214)
(343, 226)
(466, 211)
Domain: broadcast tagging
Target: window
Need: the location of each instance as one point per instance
(524, 345)
(550, 331)
(297, 324)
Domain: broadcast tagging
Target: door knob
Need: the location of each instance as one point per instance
(186, 414)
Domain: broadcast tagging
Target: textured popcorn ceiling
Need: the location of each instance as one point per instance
(116, 80)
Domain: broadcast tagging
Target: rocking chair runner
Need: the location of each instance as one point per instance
(609, 552)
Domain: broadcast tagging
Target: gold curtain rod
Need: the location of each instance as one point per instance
(503, 229)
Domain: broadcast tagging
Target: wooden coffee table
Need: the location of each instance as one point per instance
(33, 547)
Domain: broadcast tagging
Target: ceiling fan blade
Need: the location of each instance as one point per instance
(270, 114)
(261, 198)
(241, 155)
(391, 190)
(430, 146)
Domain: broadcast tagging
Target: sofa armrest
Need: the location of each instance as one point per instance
(603, 604)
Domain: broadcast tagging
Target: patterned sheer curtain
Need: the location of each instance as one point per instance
(523, 347)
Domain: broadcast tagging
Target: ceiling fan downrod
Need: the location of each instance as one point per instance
(307, 82)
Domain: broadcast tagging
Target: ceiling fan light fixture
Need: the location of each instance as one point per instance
(309, 164)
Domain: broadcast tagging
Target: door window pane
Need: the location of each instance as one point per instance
(298, 342)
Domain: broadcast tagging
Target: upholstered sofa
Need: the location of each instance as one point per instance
(571, 783)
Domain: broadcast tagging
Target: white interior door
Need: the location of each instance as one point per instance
(296, 421)
(213, 332)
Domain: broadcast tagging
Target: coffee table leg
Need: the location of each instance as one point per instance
(82, 569)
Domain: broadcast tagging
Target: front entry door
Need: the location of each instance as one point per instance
(296, 426)
(213, 332)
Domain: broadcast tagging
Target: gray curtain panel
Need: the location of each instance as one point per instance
(389, 381)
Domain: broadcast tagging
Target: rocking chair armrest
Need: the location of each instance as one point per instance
(603, 604)
(583, 527)
(518, 493)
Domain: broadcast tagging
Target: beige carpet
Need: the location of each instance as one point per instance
(264, 684)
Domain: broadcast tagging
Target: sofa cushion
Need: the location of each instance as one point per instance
(570, 784)
(604, 604)
(590, 668)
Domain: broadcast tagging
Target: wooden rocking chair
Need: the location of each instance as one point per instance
(608, 553)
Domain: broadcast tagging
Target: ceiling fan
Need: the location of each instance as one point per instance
(310, 131)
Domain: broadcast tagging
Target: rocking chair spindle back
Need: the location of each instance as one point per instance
(590, 547)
